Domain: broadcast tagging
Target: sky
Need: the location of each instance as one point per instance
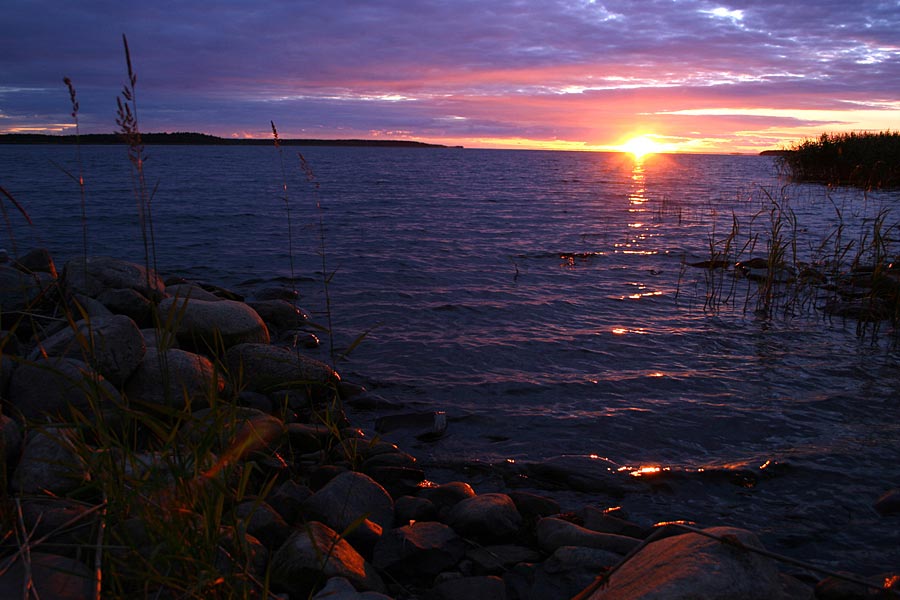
(691, 75)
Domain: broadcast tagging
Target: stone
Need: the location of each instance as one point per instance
(240, 431)
(10, 442)
(190, 291)
(190, 379)
(486, 517)
(103, 273)
(87, 307)
(264, 368)
(338, 588)
(66, 526)
(54, 387)
(471, 588)
(694, 566)
(585, 474)
(37, 260)
(553, 533)
(500, 558)
(835, 588)
(421, 549)
(348, 497)
(604, 522)
(279, 314)
(207, 326)
(532, 506)
(288, 499)
(113, 345)
(54, 578)
(888, 503)
(411, 508)
(315, 550)
(262, 522)
(130, 303)
(447, 495)
(17, 289)
(49, 463)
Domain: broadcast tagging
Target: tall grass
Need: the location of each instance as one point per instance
(866, 159)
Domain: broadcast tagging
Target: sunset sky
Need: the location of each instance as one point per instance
(695, 75)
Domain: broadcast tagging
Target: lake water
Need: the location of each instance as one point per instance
(545, 302)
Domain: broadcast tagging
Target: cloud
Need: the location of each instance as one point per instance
(544, 70)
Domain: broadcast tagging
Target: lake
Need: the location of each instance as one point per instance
(546, 302)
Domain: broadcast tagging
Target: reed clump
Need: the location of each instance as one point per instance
(864, 159)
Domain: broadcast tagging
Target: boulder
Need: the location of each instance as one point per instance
(497, 559)
(113, 345)
(412, 508)
(17, 289)
(447, 495)
(569, 570)
(338, 588)
(533, 506)
(471, 588)
(265, 368)
(606, 522)
(189, 379)
(553, 533)
(37, 260)
(585, 474)
(190, 291)
(695, 566)
(10, 441)
(348, 497)
(101, 273)
(262, 522)
(486, 517)
(279, 314)
(314, 551)
(425, 549)
(49, 463)
(207, 325)
(54, 578)
(55, 387)
(130, 303)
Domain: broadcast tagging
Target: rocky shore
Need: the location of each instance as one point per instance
(145, 422)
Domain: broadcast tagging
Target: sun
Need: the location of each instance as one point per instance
(640, 146)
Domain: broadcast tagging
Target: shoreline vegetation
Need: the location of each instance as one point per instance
(200, 139)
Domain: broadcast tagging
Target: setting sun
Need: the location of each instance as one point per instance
(640, 146)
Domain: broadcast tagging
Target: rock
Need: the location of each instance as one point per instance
(349, 496)
(7, 366)
(486, 517)
(471, 588)
(262, 522)
(694, 566)
(54, 578)
(427, 426)
(568, 571)
(113, 345)
(308, 437)
(10, 442)
(411, 508)
(533, 506)
(314, 551)
(398, 481)
(553, 533)
(497, 559)
(276, 293)
(104, 273)
(242, 554)
(421, 549)
(604, 522)
(9, 343)
(264, 368)
(49, 463)
(279, 314)
(190, 379)
(55, 387)
(87, 307)
(66, 525)
(17, 289)
(240, 431)
(288, 499)
(835, 588)
(447, 495)
(207, 326)
(130, 303)
(37, 260)
(190, 291)
(338, 588)
(585, 474)
(888, 503)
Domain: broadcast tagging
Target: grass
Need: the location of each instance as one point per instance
(868, 160)
(157, 485)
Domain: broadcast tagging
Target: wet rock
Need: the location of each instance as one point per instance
(888, 503)
(339, 588)
(104, 273)
(276, 293)
(398, 481)
(279, 314)
(206, 326)
(113, 345)
(553, 533)
(471, 588)
(585, 474)
(265, 368)
(486, 517)
(421, 549)
(190, 379)
(130, 303)
(695, 566)
(411, 508)
(53, 577)
(532, 506)
(55, 387)
(349, 496)
(37, 260)
(262, 522)
(426, 426)
(496, 559)
(190, 291)
(49, 463)
(316, 550)
(835, 588)
(604, 522)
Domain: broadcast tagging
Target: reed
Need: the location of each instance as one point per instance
(864, 159)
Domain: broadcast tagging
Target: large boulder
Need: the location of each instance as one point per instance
(207, 325)
(113, 345)
(174, 378)
(314, 552)
(695, 566)
(347, 498)
(264, 368)
(553, 533)
(421, 549)
(96, 274)
(54, 387)
(486, 517)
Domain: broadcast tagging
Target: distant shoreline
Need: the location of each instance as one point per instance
(199, 139)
